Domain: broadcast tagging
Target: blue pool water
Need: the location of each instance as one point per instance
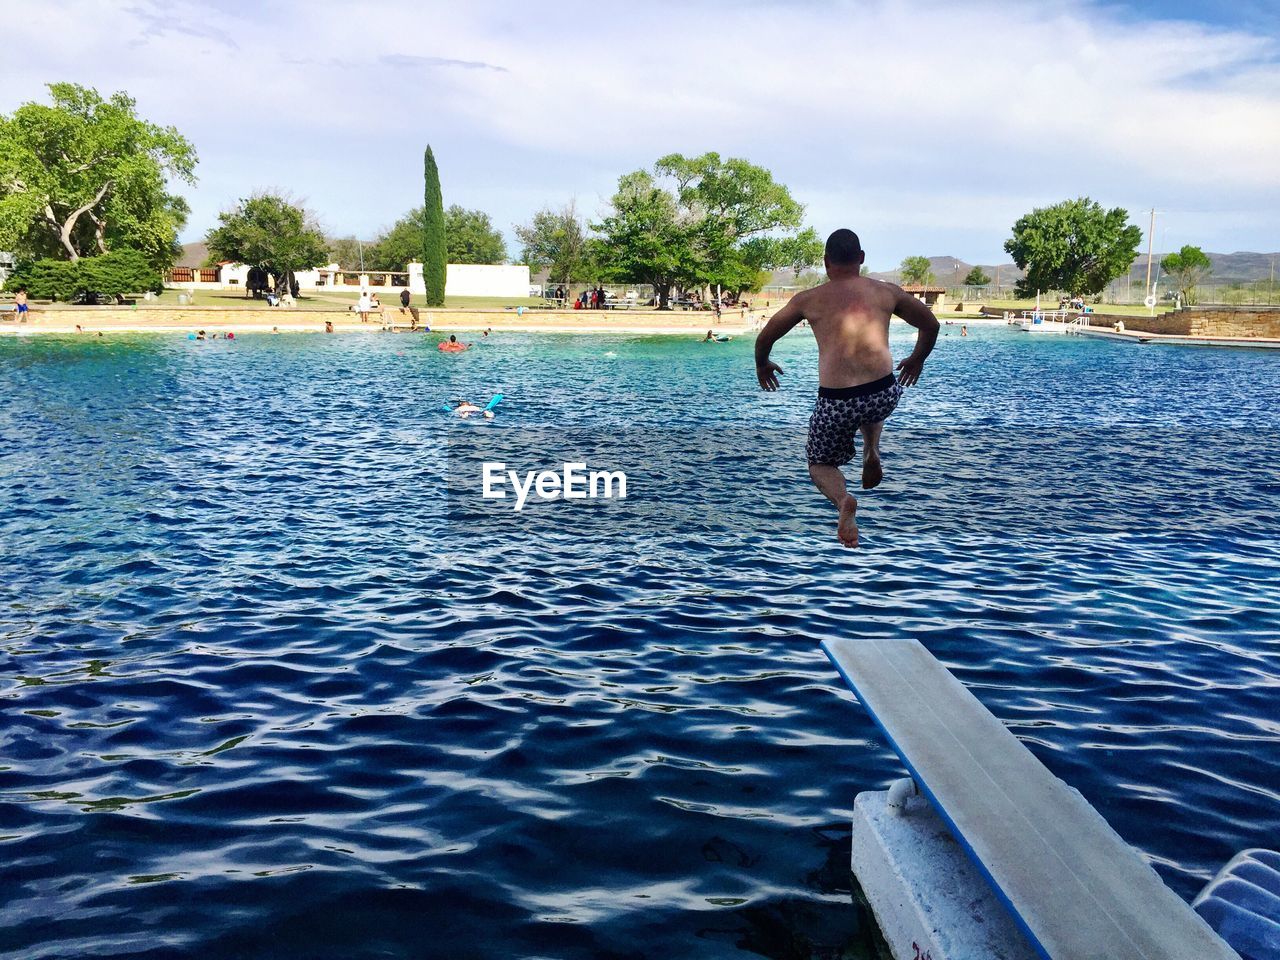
(277, 682)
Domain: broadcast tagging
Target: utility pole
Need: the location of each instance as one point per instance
(1151, 239)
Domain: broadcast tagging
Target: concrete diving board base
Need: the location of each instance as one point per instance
(929, 900)
(1073, 886)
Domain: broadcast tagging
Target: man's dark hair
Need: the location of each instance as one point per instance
(844, 249)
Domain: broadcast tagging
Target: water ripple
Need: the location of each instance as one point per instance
(278, 682)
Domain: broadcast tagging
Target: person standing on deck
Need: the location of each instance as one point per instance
(857, 391)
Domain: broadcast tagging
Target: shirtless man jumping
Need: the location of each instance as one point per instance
(857, 391)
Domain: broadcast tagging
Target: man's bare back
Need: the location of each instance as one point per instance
(849, 317)
(857, 391)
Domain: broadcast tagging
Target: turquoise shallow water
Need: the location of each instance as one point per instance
(277, 682)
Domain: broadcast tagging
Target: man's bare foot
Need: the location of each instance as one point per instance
(847, 529)
(872, 472)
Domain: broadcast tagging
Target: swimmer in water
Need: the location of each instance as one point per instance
(468, 409)
(452, 345)
(857, 391)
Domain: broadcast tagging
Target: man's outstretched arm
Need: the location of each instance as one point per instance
(782, 321)
(921, 317)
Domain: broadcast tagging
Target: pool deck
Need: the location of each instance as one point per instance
(93, 320)
(1139, 336)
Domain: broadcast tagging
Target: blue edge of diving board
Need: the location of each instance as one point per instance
(1033, 940)
(941, 811)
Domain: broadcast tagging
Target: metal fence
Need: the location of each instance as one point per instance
(1231, 293)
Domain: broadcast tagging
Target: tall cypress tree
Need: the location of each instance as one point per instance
(434, 256)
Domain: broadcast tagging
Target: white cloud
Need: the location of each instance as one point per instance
(925, 119)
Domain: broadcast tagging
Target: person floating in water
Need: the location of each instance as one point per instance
(713, 337)
(468, 409)
(857, 391)
(452, 345)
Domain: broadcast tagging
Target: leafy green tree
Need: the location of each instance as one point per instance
(435, 257)
(742, 220)
(347, 252)
(85, 175)
(800, 252)
(916, 271)
(102, 278)
(704, 221)
(268, 231)
(470, 237)
(556, 240)
(644, 240)
(1189, 267)
(976, 278)
(401, 243)
(1075, 247)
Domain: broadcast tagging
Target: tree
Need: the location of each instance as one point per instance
(94, 279)
(269, 232)
(401, 243)
(556, 240)
(86, 175)
(469, 238)
(704, 221)
(1189, 267)
(916, 271)
(976, 278)
(435, 258)
(1075, 247)
(644, 240)
(348, 252)
(742, 220)
(472, 238)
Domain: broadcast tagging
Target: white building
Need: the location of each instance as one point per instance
(510, 281)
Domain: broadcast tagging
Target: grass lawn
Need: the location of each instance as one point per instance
(331, 300)
(1125, 309)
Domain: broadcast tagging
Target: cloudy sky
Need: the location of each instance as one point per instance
(928, 127)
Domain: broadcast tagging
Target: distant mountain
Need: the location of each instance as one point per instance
(193, 255)
(1242, 267)
(951, 271)
(1227, 267)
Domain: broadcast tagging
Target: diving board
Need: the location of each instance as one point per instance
(1070, 882)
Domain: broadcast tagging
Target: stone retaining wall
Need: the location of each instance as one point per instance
(1176, 323)
(1223, 321)
(1234, 321)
